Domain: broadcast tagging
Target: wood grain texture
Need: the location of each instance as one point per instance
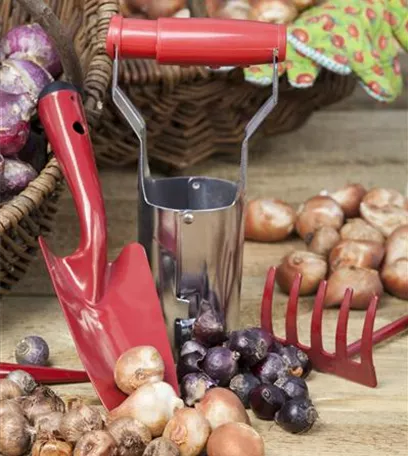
(352, 419)
(332, 149)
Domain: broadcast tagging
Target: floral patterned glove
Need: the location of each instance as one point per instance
(346, 36)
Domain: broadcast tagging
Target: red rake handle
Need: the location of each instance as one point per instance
(381, 334)
(50, 375)
(197, 41)
(62, 115)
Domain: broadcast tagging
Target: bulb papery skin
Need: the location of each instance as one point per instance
(358, 229)
(131, 436)
(78, 421)
(317, 212)
(269, 220)
(137, 366)
(189, 430)
(385, 219)
(312, 267)
(395, 278)
(153, 404)
(15, 436)
(365, 283)
(397, 245)
(96, 443)
(349, 198)
(51, 448)
(235, 439)
(221, 406)
(24, 380)
(9, 390)
(162, 446)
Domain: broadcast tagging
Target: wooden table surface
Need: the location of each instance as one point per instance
(335, 147)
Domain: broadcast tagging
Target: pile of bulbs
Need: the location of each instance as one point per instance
(210, 416)
(266, 376)
(354, 238)
(275, 11)
(34, 420)
(151, 421)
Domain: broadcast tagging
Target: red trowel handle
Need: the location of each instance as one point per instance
(62, 115)
(211, 42)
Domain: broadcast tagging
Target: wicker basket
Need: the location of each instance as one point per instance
(30, 214)
(192, 114)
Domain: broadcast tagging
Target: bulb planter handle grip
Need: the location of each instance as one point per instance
(197, 41)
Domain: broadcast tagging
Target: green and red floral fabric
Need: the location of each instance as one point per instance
(346, 36)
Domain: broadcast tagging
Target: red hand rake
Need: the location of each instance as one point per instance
(340, 362)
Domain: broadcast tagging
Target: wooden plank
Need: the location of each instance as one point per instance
(332, 149)
(353, 419)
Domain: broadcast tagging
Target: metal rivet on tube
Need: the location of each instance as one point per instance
(188, 218)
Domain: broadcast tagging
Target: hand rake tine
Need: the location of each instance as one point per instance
(291, 312)
(267, 301)
(341, 330)
(367, 362)
(355, 347)
(368, 330)
(316, 340)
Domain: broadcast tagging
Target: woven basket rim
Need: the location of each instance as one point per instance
(33, 196)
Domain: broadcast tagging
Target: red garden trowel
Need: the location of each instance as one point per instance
(109, 307)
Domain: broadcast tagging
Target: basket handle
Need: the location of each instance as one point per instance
(44, 15)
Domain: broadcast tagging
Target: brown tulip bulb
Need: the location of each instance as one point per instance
(312, 267)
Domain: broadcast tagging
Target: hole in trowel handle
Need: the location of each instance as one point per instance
(77, 126)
